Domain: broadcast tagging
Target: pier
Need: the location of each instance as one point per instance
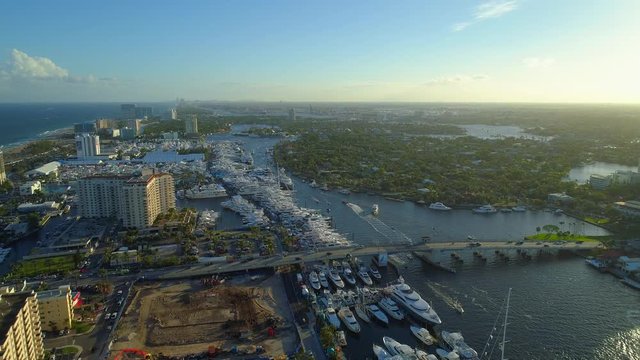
(424, 251)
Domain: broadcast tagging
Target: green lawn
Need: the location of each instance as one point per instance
(597, 221)
(80, 327)
(556, 237)
(43, 266)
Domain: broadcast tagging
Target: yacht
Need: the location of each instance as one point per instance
(361, 311)
(364, 276)
(519, 208)
(446, 355)
(205, 192)
(457, 344)
(439, 206)
(485, 209)
(414, 303)
(314, 280)
(375, 209)
(423, 355)
(332, 317)
(335, 278)
(374, 272)
(349, 319)
(380, 352)
(423, 335)
(390, 307)
(396, 348)
(377, 313)
(322, 277)
(348, 274)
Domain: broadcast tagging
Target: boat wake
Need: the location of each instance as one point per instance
(391, 234)
(446, 298)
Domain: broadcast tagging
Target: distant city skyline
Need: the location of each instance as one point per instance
(410, 51)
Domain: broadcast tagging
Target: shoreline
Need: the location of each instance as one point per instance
(11, 149)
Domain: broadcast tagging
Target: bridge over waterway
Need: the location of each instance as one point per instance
(424, 250)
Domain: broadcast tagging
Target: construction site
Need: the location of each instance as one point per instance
(207, 317)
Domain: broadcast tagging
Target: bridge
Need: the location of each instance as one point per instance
(426, 251)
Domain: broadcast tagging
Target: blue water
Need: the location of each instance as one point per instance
(22, 122)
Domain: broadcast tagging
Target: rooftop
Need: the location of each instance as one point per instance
(10, 306)
(61, 291)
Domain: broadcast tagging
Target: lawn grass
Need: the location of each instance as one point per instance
(42, 266)
(597, 221)
(571, 237)
(80, 327)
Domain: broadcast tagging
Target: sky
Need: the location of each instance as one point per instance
(370, 50)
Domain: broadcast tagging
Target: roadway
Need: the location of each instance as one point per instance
(359, 251)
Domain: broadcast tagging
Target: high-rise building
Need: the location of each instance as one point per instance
(136, 124)
(144, 111)
(174, 114)
(128, 111)
(292, 114)
(136, 201)
(87, 145)
(3, 174)
(20, 327)
(128, 133)
(104, 124)
(56, 308)
(87, 127)
(191, 124)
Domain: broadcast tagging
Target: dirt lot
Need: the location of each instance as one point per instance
(180, 318)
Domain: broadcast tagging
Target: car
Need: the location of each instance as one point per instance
(119, 292)
(109, 327)
(107, 316)
(546, 245)
(114, 315)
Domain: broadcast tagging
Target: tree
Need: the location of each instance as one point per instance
(327, 336)
(77, 258)
(33, 219)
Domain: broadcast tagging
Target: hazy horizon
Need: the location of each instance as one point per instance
(473, 51)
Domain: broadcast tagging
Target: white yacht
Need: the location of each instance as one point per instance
(374, 272)
(332, 317)
(322, 277)
(361, 311)
(457, 344)
(414, 303)
(423, 335)
(377, 313)
(485, 209)
(423, 355)
(375, 209)
(335, 279)
(396, 348)
(349, 319)
(391, 308)
(439, 206)
(205, 192)
(446, 355)
(380, 352)
(519, 208)
(314, 280)
(347, 273)
(364, 276)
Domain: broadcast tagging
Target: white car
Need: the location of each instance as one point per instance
(107, 316)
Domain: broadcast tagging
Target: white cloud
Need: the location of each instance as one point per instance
(487, 10)
(456, 79)
(538, 62)
(22, 66)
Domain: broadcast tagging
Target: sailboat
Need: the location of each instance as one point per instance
(488, 345)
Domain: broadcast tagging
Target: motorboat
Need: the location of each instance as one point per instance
(349, 319)
(439, 206)
(414, 303)
(396, 348)
(381, 259)
(423, 355)
(314, 280)
(347, 273)
(446, 355)
(375, 209)
(457, 344)
(341, 338)
(322, 277)
(377, 313)
(375, 274)
(364, 276)
(423, 335)
(361, 311)
(335, 278)
(332, 318)
(485, 209)
(391, 308)
(380, 352)
(205, 192)
(519, 209)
